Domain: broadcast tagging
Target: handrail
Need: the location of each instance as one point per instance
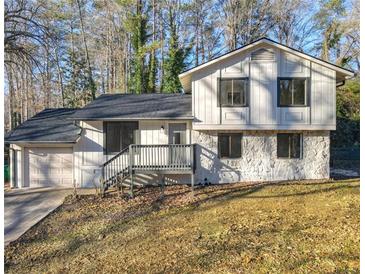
(142, 158)
(162, 157)
(163, 145)
(116, 156)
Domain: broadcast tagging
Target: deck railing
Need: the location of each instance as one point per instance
(149, 158)
(162, 157)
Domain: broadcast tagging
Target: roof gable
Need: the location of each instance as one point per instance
(185, 77)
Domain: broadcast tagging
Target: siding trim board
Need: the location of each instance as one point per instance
(293, 126)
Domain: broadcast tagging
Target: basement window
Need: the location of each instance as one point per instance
(292, 92)
(289, 145)
(229, 145)
(233, 92)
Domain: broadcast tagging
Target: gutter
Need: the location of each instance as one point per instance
(341, 83)
(42, 142)
(132, 119)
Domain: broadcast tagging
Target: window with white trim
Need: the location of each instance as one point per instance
(233, 92)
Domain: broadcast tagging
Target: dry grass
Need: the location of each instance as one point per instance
(301, 227)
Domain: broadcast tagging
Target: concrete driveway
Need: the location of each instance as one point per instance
(26, 207)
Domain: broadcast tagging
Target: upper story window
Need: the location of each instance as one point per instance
(292, 92)
(289, 145)
(234, 92)
(229, 145)
(119, 135)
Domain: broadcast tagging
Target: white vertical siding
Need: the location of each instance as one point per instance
(205, 106)
(263, 110)
(152, 134)
(88, 153)
(323, 95)
(263, 93)
(17, 172)
(11, 167)
(293, 66)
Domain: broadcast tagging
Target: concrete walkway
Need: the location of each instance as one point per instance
(26, 207)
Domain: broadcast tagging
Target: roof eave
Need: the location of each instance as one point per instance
(131, 118)
(40, 142)
(187, 73)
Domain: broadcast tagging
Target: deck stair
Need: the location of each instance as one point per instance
(146, 159)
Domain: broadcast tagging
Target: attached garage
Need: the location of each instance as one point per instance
(41, 150)
(46, 167)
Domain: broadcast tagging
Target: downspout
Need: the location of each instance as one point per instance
(81, 130)
(74, 172)
(340, 84)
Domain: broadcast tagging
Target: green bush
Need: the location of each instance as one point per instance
(347, 132)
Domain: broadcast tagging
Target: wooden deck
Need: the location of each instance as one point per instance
(149, 159)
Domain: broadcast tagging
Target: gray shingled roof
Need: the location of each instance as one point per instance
(49, 125)
(137, 106)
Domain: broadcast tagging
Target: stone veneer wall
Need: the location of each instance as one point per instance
(259, 161)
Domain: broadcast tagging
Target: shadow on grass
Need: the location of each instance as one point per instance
(242, 192)
(137, 210)
(247, 191)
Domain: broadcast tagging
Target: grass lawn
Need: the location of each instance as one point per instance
(300, 227)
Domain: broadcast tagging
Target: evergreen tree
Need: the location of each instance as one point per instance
(77, 89)
(174, 63)
(138, 28)
(152, 65)
(152, 73)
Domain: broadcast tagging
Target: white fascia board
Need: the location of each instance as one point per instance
(274, 44)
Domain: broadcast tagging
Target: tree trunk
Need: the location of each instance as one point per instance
(60, 77)
(161, 50)
(11, 98)
(91, 81)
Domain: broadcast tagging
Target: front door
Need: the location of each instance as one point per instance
(177, 136)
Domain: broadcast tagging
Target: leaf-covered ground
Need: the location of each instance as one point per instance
(297, 227)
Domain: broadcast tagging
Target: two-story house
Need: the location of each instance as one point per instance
(261, 112)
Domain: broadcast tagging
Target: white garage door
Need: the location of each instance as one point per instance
(49, 166)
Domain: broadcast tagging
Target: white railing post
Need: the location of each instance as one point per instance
(131, 161)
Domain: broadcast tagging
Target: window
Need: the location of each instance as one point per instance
(233, 92)
(119, 135)
(289, 145)
(229, 145)
(292, 92)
